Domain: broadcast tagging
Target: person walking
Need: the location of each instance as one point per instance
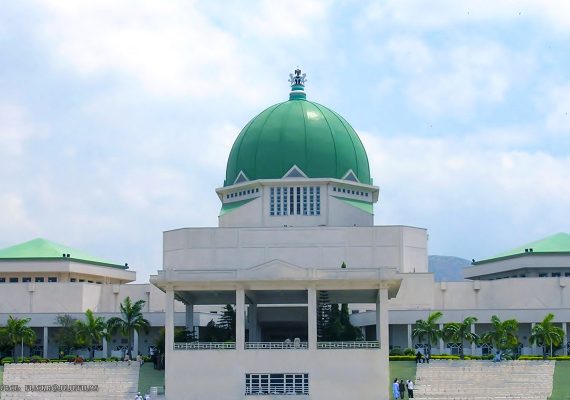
(402, 388)
(396, 389)
(410, 388)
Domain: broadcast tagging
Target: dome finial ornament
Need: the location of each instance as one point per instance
(297, 81)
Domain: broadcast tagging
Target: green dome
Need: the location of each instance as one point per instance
(297, 132)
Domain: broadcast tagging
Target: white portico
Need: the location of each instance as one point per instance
(295, 233)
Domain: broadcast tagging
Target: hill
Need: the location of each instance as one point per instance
(447, 268)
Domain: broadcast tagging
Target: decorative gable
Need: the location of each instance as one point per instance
(294, 172)
(241, 178)
(350, 176)
(275, 270)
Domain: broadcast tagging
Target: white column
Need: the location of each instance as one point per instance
(135, 343)
(565, 343)
(105, 350)
(382, 320)
(190, 317)
(410, 341)
(240, 319)
(169, 320)
(168, 334)
(441, 344)
(45, 342)
(312, 317)
(533, 346)
(473, 345)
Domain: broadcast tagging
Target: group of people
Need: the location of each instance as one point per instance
(399, 389)
(139, 396)
(420, 358)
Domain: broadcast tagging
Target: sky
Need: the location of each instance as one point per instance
(117, 117)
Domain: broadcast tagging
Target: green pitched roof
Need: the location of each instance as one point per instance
(229, 207)
(558, 243)
(365, 206)
(297, 132)
(41, 249)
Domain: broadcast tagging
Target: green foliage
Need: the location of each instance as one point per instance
(7, 360)
(503, 335)
(409, 352)
(131, 320)
(428, 330)
(323, 313)
(396, 352)
(66, 337)
(457, 332)
(17, 332)
(546, 334)
(228, 322)
(90, 333)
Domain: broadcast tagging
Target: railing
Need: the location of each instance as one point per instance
(276, 345)
(349, 345)
(205, 346)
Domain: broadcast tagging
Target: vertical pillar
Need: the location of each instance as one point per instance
(135, 343)
(410, 341)
(382, 321)
(312, 317)
(441, 344)
(473, 345)
(105, 350)
(190, 317)
(534, 344)
(565, 343)
(169, 320)
(168, 334)
(240, 319)
(45, 342)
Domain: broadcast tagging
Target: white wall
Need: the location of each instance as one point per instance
(315, 247)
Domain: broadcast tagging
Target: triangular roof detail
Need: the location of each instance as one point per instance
(241, 178)
(350, 176)
(295, 172)
(558, 243)
(44, 249)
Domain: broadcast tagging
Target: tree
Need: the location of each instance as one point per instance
(132, 320)
(91, 332)
(460, 331)
(5, 345)
(503, 335)
(428, 330)
(17, 332)
(228, 323)
(546, 334)
(66, 336)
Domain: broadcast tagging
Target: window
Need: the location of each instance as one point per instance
(39, 279)
(2, 280)
(82, 280)
(89, 281)
(288, 200)
(542, 275)
(276, 384)
(72, 280)
(14, 280)
(26, 279)
(556, 275)
(567, 274)
(52, 279)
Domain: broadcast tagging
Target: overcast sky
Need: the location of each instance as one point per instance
(117, 117)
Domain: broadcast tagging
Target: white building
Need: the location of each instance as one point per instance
(296, 206)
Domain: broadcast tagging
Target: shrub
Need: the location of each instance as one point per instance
(396, 352)
(402, 358)
(113, 359)
(69, 358)
(7, 360)
(409, 352)
(444, 357)
(26, 359)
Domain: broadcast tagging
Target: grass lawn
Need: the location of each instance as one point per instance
(561, 389)
(150, 377)
(402, 370)
(1, 373)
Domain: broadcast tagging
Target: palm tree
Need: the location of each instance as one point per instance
(460, 331)
(503, 335)
(428, 329)
(545, 334)
(17, 332)
(91, 332)
(132, 320)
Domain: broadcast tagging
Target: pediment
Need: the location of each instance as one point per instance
(241, 178)
(350, 176)
(295, 172)
(276, 270)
